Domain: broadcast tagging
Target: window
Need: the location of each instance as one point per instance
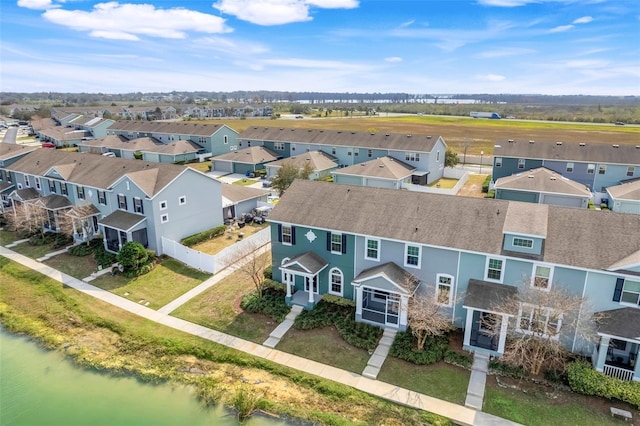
(102, 198)
(202, 139)
(278, 146)
(412, 257)
(27, 182)
(444, 291)
(602, 169)
(522, 242)
(293, 147)
(618, 344)
(137, 205)
(63, 188)
(164, 218)
(286, 234)
(629, 291)
(591, 168)
(122, 202)
(1, 175)
(488, 322)
(38, 186)
(521, 163)
(52, 186)
(369, 153)
(494, 269)
(498, 161)
(163, 205)
(80, 191)
(356, 151)
(9, 177)
(630, 170)
(182, 200)
(333, 150)
(542, 277)
(336, 243)
(539, 321)
(349, 152)
(335, 285)
(225, 138)
(372, 249)
(569, 167)
(412, 156)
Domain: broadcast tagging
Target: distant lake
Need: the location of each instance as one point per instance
(39, 387)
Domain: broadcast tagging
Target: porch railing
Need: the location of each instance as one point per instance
(617, 372)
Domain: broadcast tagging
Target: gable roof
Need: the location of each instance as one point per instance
(144, 144)
(12, 150)
(486, 295)
(251, 155)
(307, 262)
(319, 161)
(391, 141)
(465, 223)
(55, 202)
(626, 191)
(383, 167)
(543, 180)
(623, 322)
(122, 220)
(97, 171)
(176, 128)
(237, 193)
(393, 273)
(569, 151)
(527, 219)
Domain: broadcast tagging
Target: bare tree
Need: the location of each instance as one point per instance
(428, 316)
(26, 218)
(78, 220)
(252, 264)
(541, 317)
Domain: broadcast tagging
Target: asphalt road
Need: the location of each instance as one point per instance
(10, 136)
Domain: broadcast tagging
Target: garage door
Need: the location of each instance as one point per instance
(527, 197)
(223, 166)
(559, 200)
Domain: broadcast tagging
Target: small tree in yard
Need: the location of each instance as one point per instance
(542, 315)
(427, 317)
(287, 174)
(135, 259)
(26, 218)
(451, 158)
(79, 219)
(253, 265)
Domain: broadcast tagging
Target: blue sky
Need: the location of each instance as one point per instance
(555, 47)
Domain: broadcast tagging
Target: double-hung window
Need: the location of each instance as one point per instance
(336, 243)
(286, 234)
(542, 277)
(444, 289)
(137, 205)
(627, 291)
(336, 282)
(412, 256)
(102, 198)
(494, 269)
(80, 192)
(122, 202)
(539, 321)
(522, 163)
(63, 188)
(52, 186)
(372, 249)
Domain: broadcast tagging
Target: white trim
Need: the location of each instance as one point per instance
(533, 275)
(366, 248)
(502, 269)
(166, 205)
(405, 255)
(283, 242)
(513, 242)
(182, 200)
(331, 243)
(547, 312)
(451, 286)
(331, 271)
(164, 218)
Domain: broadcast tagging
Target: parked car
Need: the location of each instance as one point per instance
(259, 219)
(266, 184)
(109, 154)
(48, 145)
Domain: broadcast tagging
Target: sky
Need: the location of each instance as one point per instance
(552, 47)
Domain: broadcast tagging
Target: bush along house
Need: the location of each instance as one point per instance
(381, 247)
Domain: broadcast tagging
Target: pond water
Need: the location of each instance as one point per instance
(39, 387)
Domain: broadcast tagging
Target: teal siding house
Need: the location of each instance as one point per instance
(381, 247)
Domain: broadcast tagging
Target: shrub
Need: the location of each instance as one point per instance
(404, 347)
(590, 205)
(192, 240)
(135, 259)
(486, 183)
(41, 239)
(504, 369)
(556, 376)
(456, 358)
(103, 257)
(137, 155)
(62, 240)
(491, 194)
(268, 272)
(272, 303)
(585, 380)
(85, 249)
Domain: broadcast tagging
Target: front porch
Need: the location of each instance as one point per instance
(617, 353)
(300, 275)
(120, 227)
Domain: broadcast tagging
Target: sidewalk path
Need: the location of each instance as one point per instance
(380, 354)
(458, 414)
(477, 381)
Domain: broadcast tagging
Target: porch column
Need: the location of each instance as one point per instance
(636, 369)
(287, 282)
(359, 301)
(602, 353)
(311, 289)
(467, 327)
(503, 333)
(75, 231)
(404, 308)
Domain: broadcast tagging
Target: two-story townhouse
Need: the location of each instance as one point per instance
(375, 246)
(9, 154)
(424, 152)
(596, 165)
(97, 126)
(132, 200)
(149, 148)
(319, 163)
(214, 139)
(383, 172)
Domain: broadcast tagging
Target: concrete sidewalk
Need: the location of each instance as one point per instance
(457, 413)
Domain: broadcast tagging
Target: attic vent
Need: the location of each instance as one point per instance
(582, 144)
(532, 142)
(362, 164)
(429, 137)
(309, 130)
(510, 141)
(408, 136)
(553, 178)
(387, 134)
(281, 128)
(558, 143)
(530, 176)
(372, 133)
(339, 131)
(381, 166)
(321, 131)
(637, 146)
(353, 133)
(616, 146)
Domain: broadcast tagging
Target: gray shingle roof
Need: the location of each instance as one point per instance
(12, 150)
(486, 295)
(626, 191)
(394, 273)
(309, 261)
(384, 167)
(569, 151)
(238, 193)
(177, 128)
(319, 160)
(251, 155)
(527, 219)
(122, 220)
(145, 144)
(55, 202)
(393, 141)
(465, 223)
(623, 322)
(543, 180)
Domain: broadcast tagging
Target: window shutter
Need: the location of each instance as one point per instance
(617, 293)
(279, 233)
(293, 235)
(344, 243)
(328, 241)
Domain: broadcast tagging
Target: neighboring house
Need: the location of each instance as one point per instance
(97, 126)
(237, 200)
(9, 154)
(322, 164)
(625, 198)
(132, 200)
(380, 247)
(424, 152)
(215, 139)
(244, 161)
(596, 165)
(384, 172)
(542, 186)
(151, 149)
(63, 136)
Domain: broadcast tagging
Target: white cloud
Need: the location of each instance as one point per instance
(505, 3)
(128, 21)
(490, 77)
(313, 64)
(278, 12)
(230, 47)
(502, 53)
(393, 59)
(561, 29)
(407, 24)
(583, 20)
(36, 4)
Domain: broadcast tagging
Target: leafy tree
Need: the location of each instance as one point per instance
(135, 259)
(451, 158)
(287, 174)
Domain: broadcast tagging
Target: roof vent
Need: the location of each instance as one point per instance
(558, 143)
(510, 141)
(387, 134)
(309, 130)
(428, 136)
(552, 178)
(530, 176)
(339, 131)
(372, 133)
(582, 144)
(408, 136)
(532, 142)
(637, 146)
(362, 164)
(616, 146)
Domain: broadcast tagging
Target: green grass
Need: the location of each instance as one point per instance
(326, 346)
(535, 408)
(34, 252)
(7, 237)
(164, 283)
(439, 380)
(245, 182)
(77, 266)
(444, 183)
(203, 167)
(219, 308)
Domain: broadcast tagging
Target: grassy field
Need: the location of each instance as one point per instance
(481, 135)
(34, 252)
(245, 182)
(77, 266)
(164, 283)
(7, 237)
(203, 167)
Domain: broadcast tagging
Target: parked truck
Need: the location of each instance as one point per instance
(493, 115)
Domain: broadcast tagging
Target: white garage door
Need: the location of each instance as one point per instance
(559, 200)
(223, 166)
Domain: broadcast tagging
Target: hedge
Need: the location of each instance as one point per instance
(585, 380)
(272, 303)
(203, 236)
(486, 183)
(404, 348)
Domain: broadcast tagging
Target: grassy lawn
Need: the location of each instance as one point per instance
(326, 346)
(217, 244)
(219, 308)
(34, 252)
(7, 237)
(76, 266)
(444, 183)
(245, 182)
(167, 281)
(439, 380)
(202, 167)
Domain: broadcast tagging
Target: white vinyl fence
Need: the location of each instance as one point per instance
(214, 263)
(461, 175)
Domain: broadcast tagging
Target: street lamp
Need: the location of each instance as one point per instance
(481, 154)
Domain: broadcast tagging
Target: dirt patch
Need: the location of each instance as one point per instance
(473, 187)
